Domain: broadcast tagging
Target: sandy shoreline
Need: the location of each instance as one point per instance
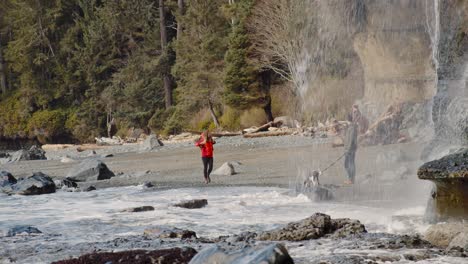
(273, 161)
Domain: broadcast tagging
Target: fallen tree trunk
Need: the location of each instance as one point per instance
(267, 134)
(225, 134)
(261, 128)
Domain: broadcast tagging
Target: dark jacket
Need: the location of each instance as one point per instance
(350, 140)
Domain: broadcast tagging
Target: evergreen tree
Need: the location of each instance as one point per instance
(247, 85)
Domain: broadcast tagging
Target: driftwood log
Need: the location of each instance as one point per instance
(267, 134)
(222, 134)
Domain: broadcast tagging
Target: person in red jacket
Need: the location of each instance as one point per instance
(205, 143)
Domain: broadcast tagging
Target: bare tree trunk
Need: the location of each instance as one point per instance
(167, 79)
(213, 115)
(3, 86)
(266, 85)
(162, 24)
(181, 4)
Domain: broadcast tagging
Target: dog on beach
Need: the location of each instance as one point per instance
(311, 179)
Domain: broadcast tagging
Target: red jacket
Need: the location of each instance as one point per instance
(206, 148)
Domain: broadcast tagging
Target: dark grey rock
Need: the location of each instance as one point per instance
(270, 254)
(148, 184)
(139, 209)
(70, 183)
(38, 183)
(23, 230)
(170, 255)
(6, 179)
(90, 170)
(165, 232)
(34, 153)
(90, 188)
(314, 227)
(192, 204)
(318, 193)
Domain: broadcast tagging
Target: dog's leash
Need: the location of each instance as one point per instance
(333, 163)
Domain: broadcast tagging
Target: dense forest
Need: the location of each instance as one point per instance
(68, 67)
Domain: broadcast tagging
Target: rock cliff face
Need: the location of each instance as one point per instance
(394, 48)
(395, 51)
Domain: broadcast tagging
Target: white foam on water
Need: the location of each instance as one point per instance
(96, 216)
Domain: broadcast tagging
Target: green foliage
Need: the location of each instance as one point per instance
(200, 59)
(230, 119)
(13, 117)
(242, 87)
(47, 123)
(71, 64)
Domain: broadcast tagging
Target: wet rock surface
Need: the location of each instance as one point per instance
(450, 175)
(6, 179)
(192, 204)
(38, 183)
(162, 256)
(165, 232)
(269, 254)
(317, 226)
(23, 230)
(138, 209)
(441, 235)
(90, 170)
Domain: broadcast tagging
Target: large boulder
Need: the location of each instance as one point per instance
(151, 143)
(90, 170)
(38, 183)
(161, 256)
(192, 204)
(34, 153)
(269, 254)
(450, 175)
(314, 227)
(227, 169)
(6, 179)
(442, 235)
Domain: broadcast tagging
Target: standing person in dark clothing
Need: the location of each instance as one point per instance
(350, 146)
(205, 143)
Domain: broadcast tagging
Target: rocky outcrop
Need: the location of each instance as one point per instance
(450, 175)
(269, 254)
(6, 179)
(161, 256)
(163, 232)
(34, 153)
(442, 235)
(23, 231)
(192, 204)
(138, 209)
(90, 170)
(38, 183)
(314, 227)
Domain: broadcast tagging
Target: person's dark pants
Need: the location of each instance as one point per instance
(207, 166)
(350, 166)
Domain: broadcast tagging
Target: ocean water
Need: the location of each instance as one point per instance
(77, 217)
